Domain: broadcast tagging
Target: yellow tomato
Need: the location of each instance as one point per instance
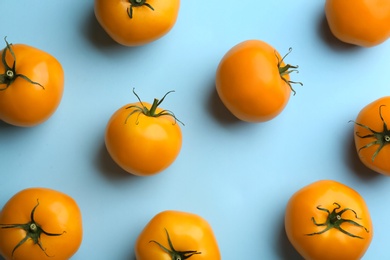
(136, 22)
(142, 138)
(327, 220)
(360, 22)
(253, 81)
(31, 85)
(177, 235)
(372, 135)
(40, 223)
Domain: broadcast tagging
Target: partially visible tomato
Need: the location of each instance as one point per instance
(253, 81)
(31, 85)
(327, 220)
(372, 135)
(136, 22)
(40, 223)
(364, 23)
(142, 138)
(174, 235)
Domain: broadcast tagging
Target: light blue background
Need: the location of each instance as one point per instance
(238, 176)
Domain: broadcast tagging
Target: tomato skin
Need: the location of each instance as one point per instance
(142, 145)
(145, 26)
(187, 231)
(56, 213)
(370, 116)
(249, 83)
(364, 23)
(23, 103)
(332, 244)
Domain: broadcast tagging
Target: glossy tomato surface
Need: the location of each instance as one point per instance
(372, 135)
(40, 223)
(253, 81)
(237, 175)
(327, 220)
(143, 144)
(177, 235)
(134, 23)
(360, 22)
(32, 87)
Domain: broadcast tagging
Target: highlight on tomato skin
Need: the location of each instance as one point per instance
(142, 138)
(359, 22)
(136, 22)
(253, 81)
(372, 135)
(31, 85)
(327, 220)
(40, 223)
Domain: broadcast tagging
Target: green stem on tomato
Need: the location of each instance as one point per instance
(334, 220)
(10, 75)
(175, 255)
(33, 231)
(286, 70)
(380, 138)
(142, 109)
(137, 3)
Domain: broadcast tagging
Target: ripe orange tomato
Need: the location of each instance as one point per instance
(40, 223)
(253, 81)
(327, 220)
(142, 138)
(177, 235)
(372, 135)
(359, 22)
(136, 22)
(31, 85)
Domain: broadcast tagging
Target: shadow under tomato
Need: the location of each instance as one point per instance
(327, 36)
(98, 37)
(108, 168)
(5, 126)
(11, 130)
(218, 109)
(283, 247)
(95, 33)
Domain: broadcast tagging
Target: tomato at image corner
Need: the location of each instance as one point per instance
(136, 22)
(327, 220)
(363, 23)
(142, 138)
(40, 223)
(372, 135)
(177, 235)
(253, 81)
(31, 85)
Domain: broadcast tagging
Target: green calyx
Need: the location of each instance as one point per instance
(142, 109)
(287, 69)
(10, 75)
(33, 231)
(335, 220)
(380, 138)
(137, 3)
(175, 255)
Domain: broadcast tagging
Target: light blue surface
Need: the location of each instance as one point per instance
(236, 175)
